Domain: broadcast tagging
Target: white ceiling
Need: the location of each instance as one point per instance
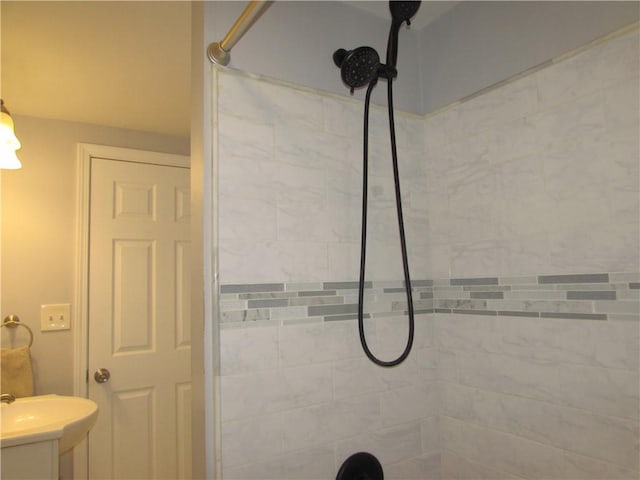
(428, 12)
(116, 63)
(120, 64)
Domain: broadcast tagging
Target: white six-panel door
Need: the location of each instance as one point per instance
(138, 321)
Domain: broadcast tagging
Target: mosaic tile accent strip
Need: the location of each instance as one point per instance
(329, 301)
(598, 296)
(594, 296)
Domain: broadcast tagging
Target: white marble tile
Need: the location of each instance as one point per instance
(343, 260)
(306, 427)
(409, 131)
(447, 366)
(268, 102)
(274, 391)
(322, 342)
(600, 390)
(298, 185)
(342, 117)
(579, 201)
(447, 159)
(250, 440)
(300, 261)
(344, 188)
(245, 260)
(527, 253)
(299, 222)
(622, 104)
(242, 218)
(355, 376)
(607, 438)
(504, 452)
(384, 260)
(248, 350)
(527, 205)
(311, 148)
(619, 151)
(389, 445)
(568, 79)
(475, 204)
(408, 404)
(618, 59)
(392, 334)
(511, 140)
(580, 467)
(594, 343)
(436, 128)
(454, 466)
(588, 249)
(510, 102)
(476, 258)
(608, 391)
(424, 467)
(243, 138)
(408, 373)
(570, 124)
(441, 260)
(430, 433)
(315, 463)
(601, 66)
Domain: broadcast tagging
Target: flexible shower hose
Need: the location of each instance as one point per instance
(363, 243)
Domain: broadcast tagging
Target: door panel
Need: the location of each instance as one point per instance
(139, 321)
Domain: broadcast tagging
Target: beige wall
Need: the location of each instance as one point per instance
(39, 231)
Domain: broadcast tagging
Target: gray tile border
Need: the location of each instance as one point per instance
(316, 293)
(487, 288)
(264, 295)
(574, 316)
(268, 303)
(252, 287)
(333, 318)
(487, 295)
(591, 296)
(625, 277)
(323, 310)
(345, 285)
(475, 312)
(474, 281)
(512, 313)
(328, 300)
(576, 278)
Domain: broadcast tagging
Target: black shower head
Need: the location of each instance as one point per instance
(358, 67)
(400, 12)
(403, 11)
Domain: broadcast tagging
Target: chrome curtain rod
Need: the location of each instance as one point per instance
(220, 52)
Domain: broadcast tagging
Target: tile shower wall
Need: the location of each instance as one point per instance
(297, 395)
(533, 195)
(522, 216)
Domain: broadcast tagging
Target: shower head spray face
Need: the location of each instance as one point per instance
(358, 67)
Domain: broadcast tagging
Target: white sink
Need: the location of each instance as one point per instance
(47, 417)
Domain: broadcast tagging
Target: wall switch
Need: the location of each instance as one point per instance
(55, 317)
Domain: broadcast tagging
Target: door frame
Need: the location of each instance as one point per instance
(85, 153)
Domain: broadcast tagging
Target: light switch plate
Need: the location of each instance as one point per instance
(55, 317)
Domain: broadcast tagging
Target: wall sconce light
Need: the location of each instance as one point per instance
(9, 143)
